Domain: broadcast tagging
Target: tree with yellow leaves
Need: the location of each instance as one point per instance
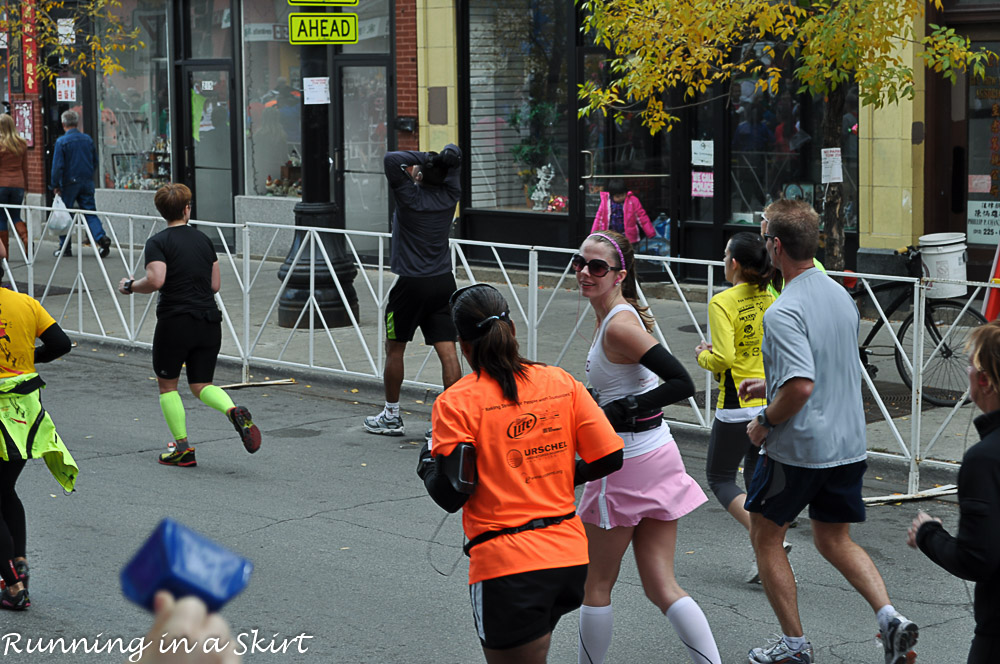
(58, 36)
(683, 49)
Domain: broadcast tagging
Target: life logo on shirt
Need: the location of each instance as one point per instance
(521, 426)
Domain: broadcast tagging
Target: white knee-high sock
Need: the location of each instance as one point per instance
(596, 624)
(692, 627)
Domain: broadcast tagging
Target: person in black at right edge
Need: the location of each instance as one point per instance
(975, 554)
(427, 186)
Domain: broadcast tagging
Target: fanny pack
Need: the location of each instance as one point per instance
(534, 524)
(641, 422)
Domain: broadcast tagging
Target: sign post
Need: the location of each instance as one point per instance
(315, 32)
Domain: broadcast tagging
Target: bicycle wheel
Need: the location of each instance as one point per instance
(945, 378)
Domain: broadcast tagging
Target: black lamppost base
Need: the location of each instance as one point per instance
(296, 295)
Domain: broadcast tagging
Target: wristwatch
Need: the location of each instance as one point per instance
(128, 286)
(762, 419)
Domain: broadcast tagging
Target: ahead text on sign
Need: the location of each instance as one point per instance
(323, 28)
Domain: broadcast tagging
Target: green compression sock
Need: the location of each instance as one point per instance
(173, 413)
(216, 397)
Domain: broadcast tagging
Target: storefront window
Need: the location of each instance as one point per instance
(373, 27)
(134, 133)
(983, 208)
(211, 29)
(518, 112)
(273, 86)
(776, 147)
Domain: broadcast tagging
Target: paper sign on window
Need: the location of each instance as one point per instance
(702, 184)
(66, 89)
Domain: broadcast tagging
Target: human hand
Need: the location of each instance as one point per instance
(121, 286)
(701, 347)
(618, 413)
(911, 533)
(753, 388)
(56, 190)
(187, 619)
(756, 431)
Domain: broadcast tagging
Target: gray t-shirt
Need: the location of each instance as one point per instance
(811, 331)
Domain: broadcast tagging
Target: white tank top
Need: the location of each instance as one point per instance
(613, 381)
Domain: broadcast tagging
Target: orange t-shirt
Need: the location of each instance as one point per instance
(22, 319)
(525, 460)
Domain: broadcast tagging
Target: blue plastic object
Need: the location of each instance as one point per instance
(178, 559)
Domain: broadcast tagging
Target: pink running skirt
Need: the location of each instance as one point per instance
(653, 485)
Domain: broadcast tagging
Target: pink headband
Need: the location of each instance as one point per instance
(621, 256)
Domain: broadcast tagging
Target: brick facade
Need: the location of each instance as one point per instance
(36, 154)
(406, 71)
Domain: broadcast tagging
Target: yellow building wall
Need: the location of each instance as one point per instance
(437, 66)
(891, 168)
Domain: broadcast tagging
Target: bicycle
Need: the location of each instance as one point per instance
(945, 379)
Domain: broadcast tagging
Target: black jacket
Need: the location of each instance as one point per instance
(975, 554)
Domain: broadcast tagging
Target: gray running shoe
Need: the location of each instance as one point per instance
(385, 425)
(777, 652)
(898, 640)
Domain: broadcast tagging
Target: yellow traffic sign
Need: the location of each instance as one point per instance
(322, 28)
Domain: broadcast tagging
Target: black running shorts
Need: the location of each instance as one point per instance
(421, 302)
(513, 610)
(186, 339)
(779, 492)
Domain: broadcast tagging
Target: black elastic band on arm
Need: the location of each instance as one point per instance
(677, 384)
(595, 470)
(55, 344)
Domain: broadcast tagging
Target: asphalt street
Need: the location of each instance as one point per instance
(346, 544)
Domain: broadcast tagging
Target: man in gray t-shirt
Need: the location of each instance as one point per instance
(802, 340)
(813, 435)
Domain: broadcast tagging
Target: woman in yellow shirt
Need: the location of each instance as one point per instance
(735, 317)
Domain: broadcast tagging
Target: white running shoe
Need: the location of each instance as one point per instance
(385, 425)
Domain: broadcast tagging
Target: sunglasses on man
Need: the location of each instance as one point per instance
(596, 266)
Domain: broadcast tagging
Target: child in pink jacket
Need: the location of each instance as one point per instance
(621, 211)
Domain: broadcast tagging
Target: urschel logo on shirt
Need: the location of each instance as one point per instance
(515, 458)
(521, 426)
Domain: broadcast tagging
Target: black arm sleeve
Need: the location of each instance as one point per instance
(974, 554)
(595, 470)
(676, 386)
(55, 344)
(437, 484)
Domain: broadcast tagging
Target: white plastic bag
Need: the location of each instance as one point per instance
(59, 219)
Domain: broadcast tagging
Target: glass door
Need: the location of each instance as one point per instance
(625, 155)
(361, 142)
(208, 139)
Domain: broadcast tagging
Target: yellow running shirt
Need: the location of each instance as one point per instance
(736, 317)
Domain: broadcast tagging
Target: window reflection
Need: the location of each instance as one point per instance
(134, 133)
(776, 144)
(272, 80)
(517, 70)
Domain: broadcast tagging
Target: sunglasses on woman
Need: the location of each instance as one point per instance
(596, 266)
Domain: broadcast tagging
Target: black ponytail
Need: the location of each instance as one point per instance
(750, 251)
(482, 318)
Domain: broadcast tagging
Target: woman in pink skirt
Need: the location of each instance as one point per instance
(640, 503)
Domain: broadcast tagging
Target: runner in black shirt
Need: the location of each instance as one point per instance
(181, 264)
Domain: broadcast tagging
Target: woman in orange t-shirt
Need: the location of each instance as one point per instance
(522, 424)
